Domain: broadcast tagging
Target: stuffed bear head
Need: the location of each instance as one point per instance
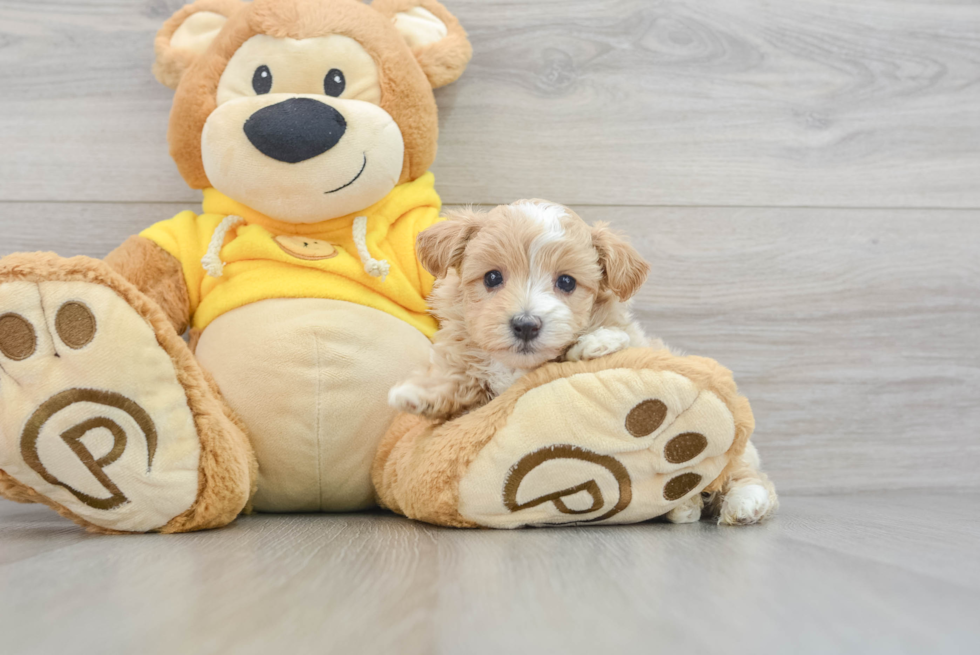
(306, 110)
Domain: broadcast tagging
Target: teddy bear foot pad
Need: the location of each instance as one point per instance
(615, 446)
(94, 419)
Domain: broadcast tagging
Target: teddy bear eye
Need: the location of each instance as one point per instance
(334, 83)
(566, 283)
(493, 279)
(262, 80)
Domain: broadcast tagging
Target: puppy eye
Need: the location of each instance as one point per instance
(566, 283)
(334, 83)
(262, 80)
(493, 279)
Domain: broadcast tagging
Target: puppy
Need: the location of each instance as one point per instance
(529, 283)
(518, 286)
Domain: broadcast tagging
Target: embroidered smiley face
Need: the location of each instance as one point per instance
(305, 248)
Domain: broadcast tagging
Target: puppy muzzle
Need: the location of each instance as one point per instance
(526, 328)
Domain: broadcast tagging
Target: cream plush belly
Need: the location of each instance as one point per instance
(310, 378)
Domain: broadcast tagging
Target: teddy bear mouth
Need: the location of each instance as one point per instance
(363, 166)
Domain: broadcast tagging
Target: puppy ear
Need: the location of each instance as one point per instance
(186, 35)
(441, 247)
(623, 269)
(433, 34)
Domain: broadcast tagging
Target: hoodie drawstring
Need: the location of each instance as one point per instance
(372, 266)
(212, 259)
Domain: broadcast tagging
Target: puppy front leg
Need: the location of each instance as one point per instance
(426, 396)
(603, 341)
(748, 496)
(434, 397)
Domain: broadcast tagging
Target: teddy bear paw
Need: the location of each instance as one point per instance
(93, 415)
(620, 445)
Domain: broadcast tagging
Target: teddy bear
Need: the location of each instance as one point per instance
(310, 127)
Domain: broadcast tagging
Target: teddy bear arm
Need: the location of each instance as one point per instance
(156, 273)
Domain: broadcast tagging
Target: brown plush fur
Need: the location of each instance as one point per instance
(444, 62)
(406, 92)
(420, 464)
(171, 64)
(156, 273)
(227, 469)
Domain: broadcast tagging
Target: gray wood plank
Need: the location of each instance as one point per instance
(853, 332)
(843, 574)
(926, 533)
(91, 229)
(809, 103)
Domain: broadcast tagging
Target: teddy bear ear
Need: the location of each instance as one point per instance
(186, 35)
(434, 35)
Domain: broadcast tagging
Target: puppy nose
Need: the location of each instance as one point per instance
(525, 328)
(295, 130)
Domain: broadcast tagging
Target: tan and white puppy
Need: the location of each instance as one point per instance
(529, 283)
(518, 286)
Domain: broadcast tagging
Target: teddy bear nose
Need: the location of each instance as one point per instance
(295, 130)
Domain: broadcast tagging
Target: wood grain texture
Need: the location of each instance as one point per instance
(853, 332)
(92, 229)
(893, 573)
(806, 103)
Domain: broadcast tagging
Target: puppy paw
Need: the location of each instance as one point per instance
(407, 397)
(746, 505)
(604, 341)
(687, 512)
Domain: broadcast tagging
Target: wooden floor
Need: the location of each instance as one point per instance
(804, 178)
(867, 573)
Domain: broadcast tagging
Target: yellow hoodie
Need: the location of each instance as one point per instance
(248, 256)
